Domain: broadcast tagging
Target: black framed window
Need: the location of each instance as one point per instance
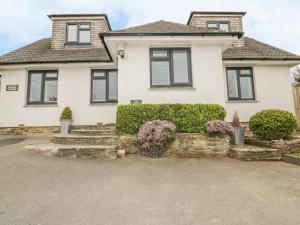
(240, 85)
(42, 87)
(170, 67)
(104, 86)
(78, 33)
(220, 25)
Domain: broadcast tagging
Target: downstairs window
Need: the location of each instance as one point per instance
(240, 84)
(104, 86)
(42, 87)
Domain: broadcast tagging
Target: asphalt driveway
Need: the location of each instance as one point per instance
(41, 190)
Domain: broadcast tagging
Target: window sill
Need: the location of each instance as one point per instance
(103, 103)
(243, 101)
(41, 105)
(173, 88)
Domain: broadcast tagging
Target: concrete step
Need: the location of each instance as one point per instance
(88, 132)
(85, 140)
(76, 151)
(255, 153)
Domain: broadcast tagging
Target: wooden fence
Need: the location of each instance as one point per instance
(296, 91)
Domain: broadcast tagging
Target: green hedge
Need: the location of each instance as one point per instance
(273, 124)
(187, 117)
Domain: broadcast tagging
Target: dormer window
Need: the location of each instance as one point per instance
(79, 33)
(220, 25)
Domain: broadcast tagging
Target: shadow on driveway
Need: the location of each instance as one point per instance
(10, 141)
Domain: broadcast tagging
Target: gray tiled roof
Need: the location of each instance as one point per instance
(258, 50)
(163, 26)
(40, 52)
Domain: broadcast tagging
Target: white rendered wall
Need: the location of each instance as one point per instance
(273, 91)
(73, 91)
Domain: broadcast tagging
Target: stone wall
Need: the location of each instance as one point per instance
(187, 145)
(25, 130)
(286, 146)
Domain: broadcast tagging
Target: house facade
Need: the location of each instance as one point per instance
(91, 68)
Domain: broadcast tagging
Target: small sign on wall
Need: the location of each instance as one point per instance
(12, 87)
(138, 101)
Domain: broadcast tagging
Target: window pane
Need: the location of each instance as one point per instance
(84, 36)
(99, 90)
(160, 73)
(246, 87)
(99, 74)
(51, 75)
(72, 33)
(160, 54)
(212, 25)
(232, 84)
(113, 85)
(84, 26)
(35, 87)
(50, 91)
(245, 72)
(224, 27)
(181, 68)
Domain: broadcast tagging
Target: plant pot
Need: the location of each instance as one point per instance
(65, 126)
(238, 137)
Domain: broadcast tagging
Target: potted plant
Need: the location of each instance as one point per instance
(238, 137)
(65, 121)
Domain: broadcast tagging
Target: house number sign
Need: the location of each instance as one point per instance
(12, 87)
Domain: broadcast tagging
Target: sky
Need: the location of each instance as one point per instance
(275, 22)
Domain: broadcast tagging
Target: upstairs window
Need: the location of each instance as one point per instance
(79, 33)
(104, 86)
(170, 67)
(42, 87)
(220, 25)
(240, 84)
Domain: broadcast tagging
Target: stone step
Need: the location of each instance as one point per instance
(76, 151)
(88, 132)
(255, 153)
(85, 140)
(94, 127)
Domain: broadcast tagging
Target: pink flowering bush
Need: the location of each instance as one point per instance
(219, 127)
(154, 137)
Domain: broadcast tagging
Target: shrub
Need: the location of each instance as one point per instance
(219, 127)
(273, 124)
(66, 114)
(236, 120)
(154, 137)
(188, 118)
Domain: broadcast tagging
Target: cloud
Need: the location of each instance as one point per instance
(273, 21)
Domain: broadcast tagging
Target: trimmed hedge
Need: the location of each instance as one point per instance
(188, 118)
(273, 124)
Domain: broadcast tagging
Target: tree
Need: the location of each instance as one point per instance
(296, 74)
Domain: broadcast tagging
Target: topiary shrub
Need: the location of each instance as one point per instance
(188, 118)
(154, 137)
(218, 128)
(273, 124)
(66, 114)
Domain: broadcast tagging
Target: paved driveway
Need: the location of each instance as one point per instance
(40, 190)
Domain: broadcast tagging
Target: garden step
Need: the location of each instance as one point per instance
(256, 153)
(85, 140)
(76, 151)
(88, 132)
(94, 127)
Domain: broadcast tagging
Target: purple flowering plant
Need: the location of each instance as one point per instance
(219, 128)
(154, 137)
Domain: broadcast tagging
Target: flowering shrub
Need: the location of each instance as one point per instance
(219, 127)
(154, 137)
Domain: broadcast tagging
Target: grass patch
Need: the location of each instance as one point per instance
(296, 154)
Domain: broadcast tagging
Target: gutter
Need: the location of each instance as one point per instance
(263, 59)
(57, 62)
(202, 34)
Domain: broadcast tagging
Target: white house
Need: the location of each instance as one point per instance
(90, 68)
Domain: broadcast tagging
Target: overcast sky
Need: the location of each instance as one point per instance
(275, 22)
